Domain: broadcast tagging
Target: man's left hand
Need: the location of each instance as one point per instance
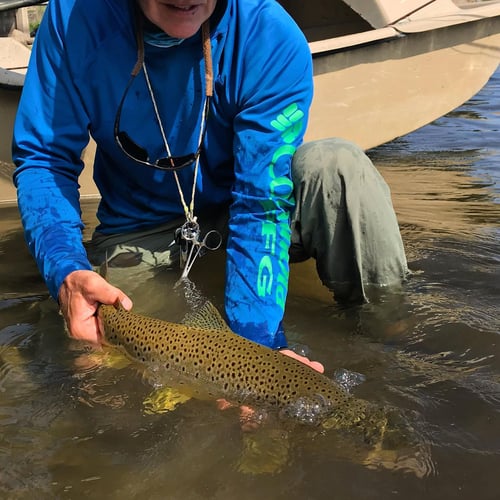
(315, 365)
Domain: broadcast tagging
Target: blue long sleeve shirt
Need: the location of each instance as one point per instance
(81, 63)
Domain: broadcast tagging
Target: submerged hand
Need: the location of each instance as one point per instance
(247, 414)
(79, 297)
(315, 365)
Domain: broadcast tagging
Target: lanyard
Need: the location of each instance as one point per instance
(207, 57)
(188, 236)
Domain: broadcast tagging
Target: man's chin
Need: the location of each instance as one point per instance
(181, 30)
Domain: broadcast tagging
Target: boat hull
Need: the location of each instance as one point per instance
(373, 94)
(8, 107)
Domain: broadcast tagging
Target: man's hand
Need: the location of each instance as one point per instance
(247, 414)
(79, 297)
(315, 365)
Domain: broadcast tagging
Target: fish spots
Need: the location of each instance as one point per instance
(231, 366)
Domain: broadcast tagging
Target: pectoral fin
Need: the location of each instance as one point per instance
(163, 400)
(107, 357)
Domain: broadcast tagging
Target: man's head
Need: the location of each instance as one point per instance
(178, 18)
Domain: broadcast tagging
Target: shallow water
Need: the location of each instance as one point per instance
(71, 427)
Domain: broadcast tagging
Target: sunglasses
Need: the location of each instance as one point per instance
(139, 154)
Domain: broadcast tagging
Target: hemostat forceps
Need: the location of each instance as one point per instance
(188, 237)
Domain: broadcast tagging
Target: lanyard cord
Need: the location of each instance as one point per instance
(207, 57)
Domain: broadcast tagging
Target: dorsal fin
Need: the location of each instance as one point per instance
(206, 316)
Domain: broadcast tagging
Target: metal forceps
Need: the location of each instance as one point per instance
(191, 245)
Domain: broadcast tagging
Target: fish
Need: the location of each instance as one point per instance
(216, 362)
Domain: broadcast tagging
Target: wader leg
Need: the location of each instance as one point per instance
(344, 218)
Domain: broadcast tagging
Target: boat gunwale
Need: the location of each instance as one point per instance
(19, 4)
(11, 80)
(460, 16)
(401, 29)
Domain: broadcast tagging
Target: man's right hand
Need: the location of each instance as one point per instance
(79, 297)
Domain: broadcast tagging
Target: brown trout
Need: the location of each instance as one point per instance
(206, 353)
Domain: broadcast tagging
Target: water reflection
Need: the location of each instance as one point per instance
(72, 426)
(435, 194)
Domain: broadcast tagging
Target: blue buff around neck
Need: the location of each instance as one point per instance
(159, 38)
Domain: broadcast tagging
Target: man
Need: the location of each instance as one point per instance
(210, 119)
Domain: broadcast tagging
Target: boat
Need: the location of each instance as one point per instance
(382, 68)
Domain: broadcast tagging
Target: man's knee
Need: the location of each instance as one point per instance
(330, 157)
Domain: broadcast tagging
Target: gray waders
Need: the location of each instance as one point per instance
(344, 219)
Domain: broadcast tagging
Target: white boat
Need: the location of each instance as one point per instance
(382, 68)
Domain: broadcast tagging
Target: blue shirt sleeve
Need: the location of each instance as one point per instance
(50, 133)
(277, 92)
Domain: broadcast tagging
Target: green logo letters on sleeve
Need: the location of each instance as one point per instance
(290, 123)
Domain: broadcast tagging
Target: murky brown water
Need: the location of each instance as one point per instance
(70, 428)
